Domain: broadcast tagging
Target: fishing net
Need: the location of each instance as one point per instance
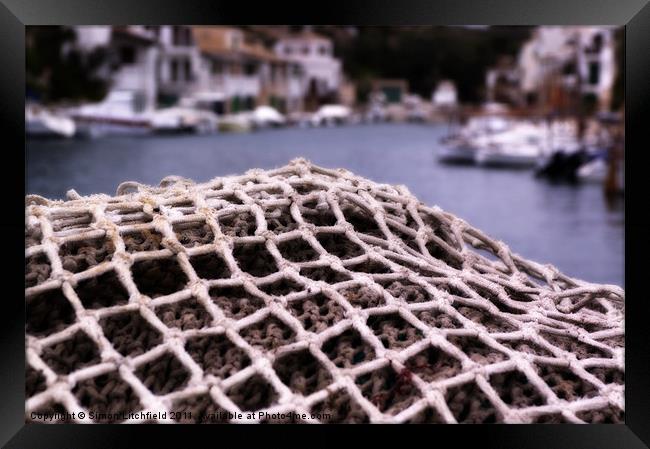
(303, 294)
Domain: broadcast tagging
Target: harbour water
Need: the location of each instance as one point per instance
(571, 227)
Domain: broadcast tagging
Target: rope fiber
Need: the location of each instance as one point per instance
(309, 291)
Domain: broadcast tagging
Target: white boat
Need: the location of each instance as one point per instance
(41, 122)
(266, 116)
(508, 155)
(456, 150)
(519, 146)
(117, 114)
(331, 114)
(461, 147)
(594, 171)
(235, 123)
(182, 119)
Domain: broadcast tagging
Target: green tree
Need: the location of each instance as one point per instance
(56, 71)
(424, 55)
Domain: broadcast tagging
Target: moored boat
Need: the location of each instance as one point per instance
(42, 123)
(116, 115)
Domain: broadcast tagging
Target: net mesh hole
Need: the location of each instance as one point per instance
(238, 225)
(427, 416)
(253, 394)
(608, 375)
(163, 375)
(340, 408)
(107, 394)
(254, 259)
(324, 274)
(470, 405)
(282, 287)
(193, 234)
(48, 312)
(389, 391)
(33, 236)
(515, 390)
(210, 266)
(606, 415)
(185, 314)
(564, 383)
(393, 331)
(406, 291)
(317, 313)
(348, 349)
(269, 334)
(235, 302)
(217, 355)
(106, 290)
(198, 409)
(129, 333)
(37, 270)
(71, 354)
(362, 296)
(339, 245)
(432, 364)
(77, 256)
(302, 372)
(439, 319)
(158, 277)
(572, 344)
(297, 250)
(476, 350)
(143, 240)
(491, 322)
(34, 382)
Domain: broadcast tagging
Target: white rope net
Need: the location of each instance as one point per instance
(306, 295)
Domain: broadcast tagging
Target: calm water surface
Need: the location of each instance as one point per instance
(573, 228)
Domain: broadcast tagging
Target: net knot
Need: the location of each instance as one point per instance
(176, 181)
(36, 200)
(128, 187)
(173, 245)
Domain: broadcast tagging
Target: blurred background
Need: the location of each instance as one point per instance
(518, 130)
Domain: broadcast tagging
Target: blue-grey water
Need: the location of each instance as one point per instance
(573, 228)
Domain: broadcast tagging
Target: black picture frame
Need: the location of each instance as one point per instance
(633, 14)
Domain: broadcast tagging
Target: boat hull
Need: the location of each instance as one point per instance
(504, 160)
(457, 154)
(101, 126)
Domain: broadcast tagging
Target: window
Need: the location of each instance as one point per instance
(569, 68)
(187, 70)
(127, 54)
(173, 69)
(250, 69)
(594, 73)
(217, 68)
(181, 36)
(249, 103)
(597, 43)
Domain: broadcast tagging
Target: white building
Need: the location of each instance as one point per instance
(315, 54)
(178, 67)
(162, 64)
(132, 55)
(445, 95)
(245, 72)
(566, 52)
